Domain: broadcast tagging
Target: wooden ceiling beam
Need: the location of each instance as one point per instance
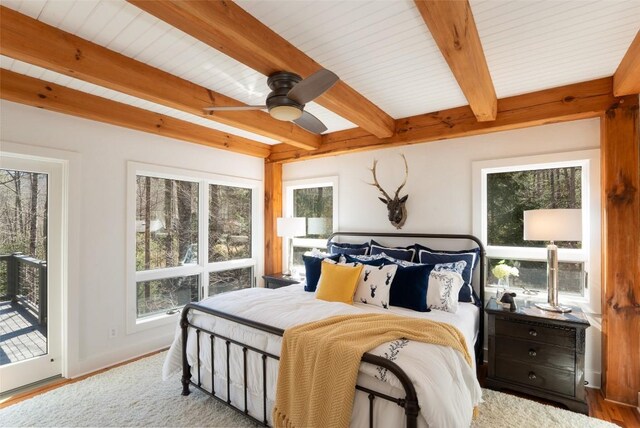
(228, 28)
(626, 80)
(571, 102)
(454, 30)
(26, 39)
(39, 93)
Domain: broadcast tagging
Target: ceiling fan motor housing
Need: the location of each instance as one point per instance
(280, 106)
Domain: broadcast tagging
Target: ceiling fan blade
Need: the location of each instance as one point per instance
(310, 123)
(313, 86)
(234, 108)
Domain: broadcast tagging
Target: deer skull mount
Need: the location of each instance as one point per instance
(396, 205)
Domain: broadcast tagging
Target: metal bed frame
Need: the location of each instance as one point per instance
(410, 400)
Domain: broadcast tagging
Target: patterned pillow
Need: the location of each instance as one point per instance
(374, 285)
(457, 267)
(402, 263)
(441, 257)
(364, 258)
(443, 289)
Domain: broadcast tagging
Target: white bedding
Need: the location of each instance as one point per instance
(446, 385)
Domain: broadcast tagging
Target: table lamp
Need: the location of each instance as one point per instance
(553, 225)
(289, 227)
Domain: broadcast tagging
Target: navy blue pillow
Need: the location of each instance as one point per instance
(313, 267)
(409, 287)
(472, 256)
(400, 253)
(345, 248)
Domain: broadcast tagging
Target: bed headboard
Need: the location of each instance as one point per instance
(410, 238)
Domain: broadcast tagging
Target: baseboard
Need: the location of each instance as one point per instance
(594, 379)
(111, 360)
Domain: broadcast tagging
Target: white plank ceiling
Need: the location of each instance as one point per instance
(381, 48)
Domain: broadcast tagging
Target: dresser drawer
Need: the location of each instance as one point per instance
(536, 332)
(554, 380)
(535, 353)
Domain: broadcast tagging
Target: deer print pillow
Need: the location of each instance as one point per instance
(374, 285)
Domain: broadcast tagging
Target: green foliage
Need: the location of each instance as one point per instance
(23, 213)
(509, 194)
(314, 202)
(230, 211)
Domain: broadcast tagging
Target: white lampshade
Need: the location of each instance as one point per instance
(317, 225)
(291, 226)
(553, 225)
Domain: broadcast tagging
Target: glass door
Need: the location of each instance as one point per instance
(30, 270)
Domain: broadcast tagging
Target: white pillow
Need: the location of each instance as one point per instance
(317, 253)
(443, 289)
(374, 285)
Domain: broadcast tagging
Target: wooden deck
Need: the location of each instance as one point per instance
(21, 336)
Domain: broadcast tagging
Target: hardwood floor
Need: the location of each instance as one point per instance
(619, 414)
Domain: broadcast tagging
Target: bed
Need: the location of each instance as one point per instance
(228, 346)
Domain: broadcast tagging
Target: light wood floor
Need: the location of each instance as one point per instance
(619, 414)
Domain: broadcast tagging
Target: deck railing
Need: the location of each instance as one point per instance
(24, 281)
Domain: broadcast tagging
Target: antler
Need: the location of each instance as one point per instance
(406, 175)
(375, 181)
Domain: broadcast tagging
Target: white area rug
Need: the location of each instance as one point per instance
(135, 395)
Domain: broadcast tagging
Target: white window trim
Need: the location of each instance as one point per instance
(589, 160)
(203, 267)
(287, 190)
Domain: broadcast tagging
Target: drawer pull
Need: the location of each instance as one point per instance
(532, 375)
(532, 353)
(533, 333)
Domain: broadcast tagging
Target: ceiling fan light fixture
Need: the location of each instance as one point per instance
(285, 113)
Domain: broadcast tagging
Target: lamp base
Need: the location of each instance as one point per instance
(551, 308)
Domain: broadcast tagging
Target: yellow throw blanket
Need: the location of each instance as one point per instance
(319, 363)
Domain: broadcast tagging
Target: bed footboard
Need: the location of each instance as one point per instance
(409, 402)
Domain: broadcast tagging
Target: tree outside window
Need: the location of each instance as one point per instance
(169, 215)
(508, 195)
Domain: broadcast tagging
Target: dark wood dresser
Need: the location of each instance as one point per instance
(538, 353)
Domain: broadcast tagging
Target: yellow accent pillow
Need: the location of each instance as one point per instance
(338, 282)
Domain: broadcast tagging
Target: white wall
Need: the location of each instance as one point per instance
(440, 186)
(98, 155)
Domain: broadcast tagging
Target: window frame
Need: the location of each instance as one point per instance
(589, 254)
(287, 191)
(203, 267)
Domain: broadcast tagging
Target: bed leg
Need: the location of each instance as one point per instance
(411, 410)
(186, 370)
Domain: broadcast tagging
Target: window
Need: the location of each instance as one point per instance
(194, 236)
(508, 187)
(315, 200)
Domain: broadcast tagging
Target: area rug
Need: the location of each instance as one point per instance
(135, 395)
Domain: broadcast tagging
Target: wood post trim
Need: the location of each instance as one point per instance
(620, 185)
(272, 210)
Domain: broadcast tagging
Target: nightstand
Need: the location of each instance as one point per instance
(538, 353)
(278, 280)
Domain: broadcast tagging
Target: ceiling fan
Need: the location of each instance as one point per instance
(288, 96)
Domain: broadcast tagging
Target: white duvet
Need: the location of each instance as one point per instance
(446, 385)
